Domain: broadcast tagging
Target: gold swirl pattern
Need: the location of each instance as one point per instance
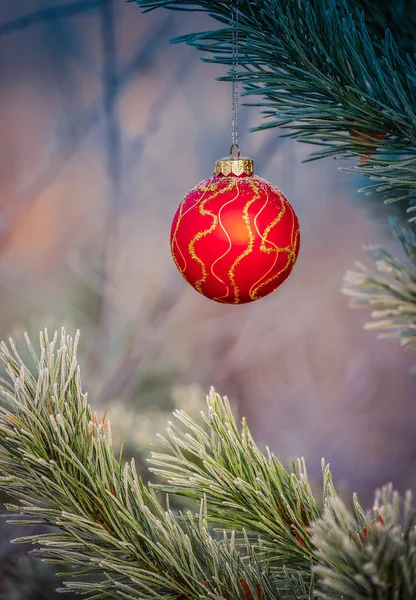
(173, 242)
(221, 298)
(289, 250)
(262, 241)
(249, 249)
(178, 222)
(201, 234)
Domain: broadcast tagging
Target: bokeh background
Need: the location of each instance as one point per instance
(104, 128)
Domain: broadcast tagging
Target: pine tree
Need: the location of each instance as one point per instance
(331, 74)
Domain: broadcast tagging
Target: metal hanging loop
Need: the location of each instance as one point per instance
(233, 145)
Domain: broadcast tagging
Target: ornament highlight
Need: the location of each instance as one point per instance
(235, 238)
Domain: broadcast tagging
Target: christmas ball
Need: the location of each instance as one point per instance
(235, 237)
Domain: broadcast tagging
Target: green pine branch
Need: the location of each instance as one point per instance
(57, 461)
(274, 540)
(390, 292)
(399, 17)
(243, 487)
(322, 75)
(379, 562)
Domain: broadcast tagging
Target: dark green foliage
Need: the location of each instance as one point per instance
(399, 16)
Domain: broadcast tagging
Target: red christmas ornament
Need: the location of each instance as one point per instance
(235, 237)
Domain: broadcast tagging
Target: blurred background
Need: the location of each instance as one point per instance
(104, 128)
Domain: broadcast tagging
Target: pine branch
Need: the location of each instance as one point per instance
(392, 178)
(56, 460)
(378, 562)
(391, 291)
(323, 76)
(243, 487)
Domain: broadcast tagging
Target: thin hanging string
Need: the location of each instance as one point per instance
(235, 93)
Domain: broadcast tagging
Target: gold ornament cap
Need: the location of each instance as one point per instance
(231, 165)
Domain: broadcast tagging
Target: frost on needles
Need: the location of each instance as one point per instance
(257, 533)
